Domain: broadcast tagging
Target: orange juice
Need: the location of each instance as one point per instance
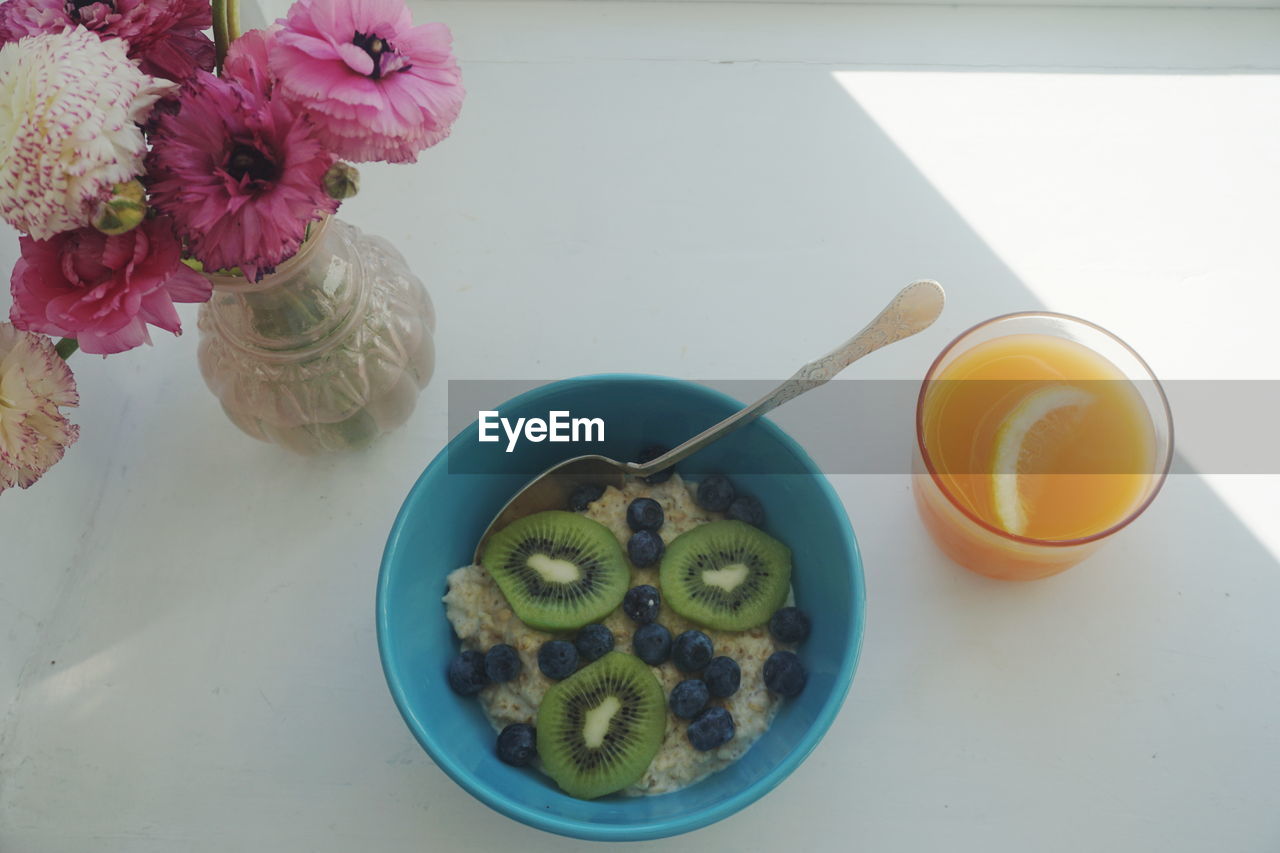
(1043, 441)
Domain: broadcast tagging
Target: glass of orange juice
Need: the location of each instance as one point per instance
(1038, 436)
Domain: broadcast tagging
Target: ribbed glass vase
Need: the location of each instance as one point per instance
(328, 352)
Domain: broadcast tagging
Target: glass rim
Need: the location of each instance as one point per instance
(227, 282)
(1029, 540)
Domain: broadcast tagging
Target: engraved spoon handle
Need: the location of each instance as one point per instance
(913, 310)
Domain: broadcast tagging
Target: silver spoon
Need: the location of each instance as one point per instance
(913, 310)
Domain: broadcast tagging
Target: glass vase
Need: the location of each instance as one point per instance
(328, 352)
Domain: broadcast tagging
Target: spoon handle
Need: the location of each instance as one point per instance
(913, 310)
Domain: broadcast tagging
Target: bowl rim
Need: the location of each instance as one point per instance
(649, 829)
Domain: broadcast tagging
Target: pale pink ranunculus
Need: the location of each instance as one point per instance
(35, 383)
(103, 290)
(247, 60)
(376, 86)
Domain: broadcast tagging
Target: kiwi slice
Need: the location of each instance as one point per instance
(558, 570)
(725, 575)
(600, 727)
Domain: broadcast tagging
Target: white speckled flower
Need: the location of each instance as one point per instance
(70, 105)
(34, 383)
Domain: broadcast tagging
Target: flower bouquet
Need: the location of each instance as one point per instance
(145, 161)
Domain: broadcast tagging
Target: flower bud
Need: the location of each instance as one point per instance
(342, 180)
(123, 211)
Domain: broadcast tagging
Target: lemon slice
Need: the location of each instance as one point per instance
(1024, 440)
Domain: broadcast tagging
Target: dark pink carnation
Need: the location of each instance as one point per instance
(165, 36)
(377, 87)
(103, 290)
(240, 174)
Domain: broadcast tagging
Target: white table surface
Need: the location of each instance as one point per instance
(709, 191)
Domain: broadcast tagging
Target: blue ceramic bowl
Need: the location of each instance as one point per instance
(444, 515)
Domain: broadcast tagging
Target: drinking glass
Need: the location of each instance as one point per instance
(985, 548)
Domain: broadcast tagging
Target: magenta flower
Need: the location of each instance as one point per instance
(35, 384)
(104, 290)
(164, 35)
(377, 87)
(241, 175)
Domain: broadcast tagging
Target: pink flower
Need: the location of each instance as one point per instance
(164, 35)
(104, 290)
(246, 61)
(240, 174)
(34, 383)
(377, 87)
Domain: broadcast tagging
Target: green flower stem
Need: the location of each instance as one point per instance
(66, 347)
(220, 40)
(286, 312)
(233, 21)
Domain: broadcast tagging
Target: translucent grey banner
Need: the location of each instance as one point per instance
(846, 426)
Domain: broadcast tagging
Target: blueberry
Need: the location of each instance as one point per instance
(641, 603)
(557, 659)
(784, 674)
(644, 514)
(710, 729)
(652, 643)
(650, 453)
(645, 548)
(790, 625)
(501, 663)
(722, 676)
(748, 509)
(688, 698)
(692, 651)
(715, 493)
(517, 744)
(593, 642)
(582, 496)
(466, 673)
